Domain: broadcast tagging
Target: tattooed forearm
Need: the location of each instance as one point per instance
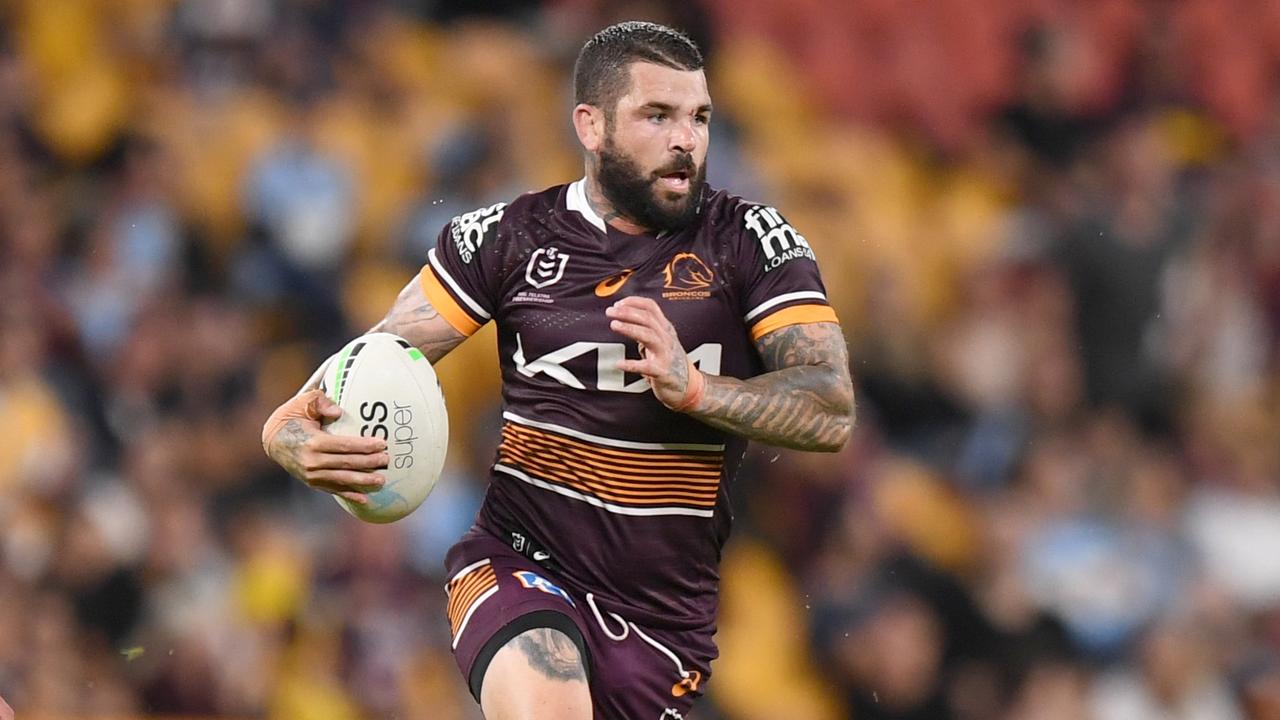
(804, 402)
(551, 653)
(413, 318)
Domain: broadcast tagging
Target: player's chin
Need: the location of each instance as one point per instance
(672, 200)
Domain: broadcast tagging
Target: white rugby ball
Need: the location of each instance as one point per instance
(387, 388)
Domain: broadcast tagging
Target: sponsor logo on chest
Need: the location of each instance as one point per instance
(706, 357)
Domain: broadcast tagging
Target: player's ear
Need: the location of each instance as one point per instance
(588, 122)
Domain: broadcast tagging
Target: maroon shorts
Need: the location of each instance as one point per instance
(635, 673)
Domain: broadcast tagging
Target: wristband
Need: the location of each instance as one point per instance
(693, 390)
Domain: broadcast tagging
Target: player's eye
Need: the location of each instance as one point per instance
(658, 117)
(702, 119)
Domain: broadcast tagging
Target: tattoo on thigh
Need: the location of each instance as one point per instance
(551, 653)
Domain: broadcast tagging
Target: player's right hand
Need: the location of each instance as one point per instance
(294, 437)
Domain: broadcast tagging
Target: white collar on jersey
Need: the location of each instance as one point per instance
(576, 200)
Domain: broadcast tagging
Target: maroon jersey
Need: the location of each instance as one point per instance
(628, 498)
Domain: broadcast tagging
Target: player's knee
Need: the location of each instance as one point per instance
(538, 675)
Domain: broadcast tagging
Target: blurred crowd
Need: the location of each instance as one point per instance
(1051, 230)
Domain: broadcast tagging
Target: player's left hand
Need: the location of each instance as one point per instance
(662, 357)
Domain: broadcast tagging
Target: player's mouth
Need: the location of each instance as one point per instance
(677, 181)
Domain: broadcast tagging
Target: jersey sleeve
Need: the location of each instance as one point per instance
(461, 275)
(781, 283)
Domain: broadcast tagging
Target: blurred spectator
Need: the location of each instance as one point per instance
(1179, 678)
(469, 164)
(300, 201)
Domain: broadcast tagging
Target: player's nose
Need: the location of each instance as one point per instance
(683, 139)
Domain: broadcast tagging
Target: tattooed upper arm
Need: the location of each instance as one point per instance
(413, 318)
(819, 344)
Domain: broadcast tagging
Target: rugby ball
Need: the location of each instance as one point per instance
(387, 388)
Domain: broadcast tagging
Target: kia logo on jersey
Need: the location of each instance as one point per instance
(609, 377)
(546, 267)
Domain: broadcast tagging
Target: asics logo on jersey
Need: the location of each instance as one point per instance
(469, 231)
(613, 283)
(546, 266)
(671, 714)
(778, 239)
(608, 377)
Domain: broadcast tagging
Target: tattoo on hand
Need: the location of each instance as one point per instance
(290, 440)
(680, 370)
(551, 653)
(804, 401)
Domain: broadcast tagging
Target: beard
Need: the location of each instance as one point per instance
(635, 194)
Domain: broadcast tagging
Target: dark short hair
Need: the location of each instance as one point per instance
(601, 75)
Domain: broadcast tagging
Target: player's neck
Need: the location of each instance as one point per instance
(608, 213)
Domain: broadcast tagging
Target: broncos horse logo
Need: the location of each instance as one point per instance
(686, 271)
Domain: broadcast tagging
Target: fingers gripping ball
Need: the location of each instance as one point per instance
(388, 389)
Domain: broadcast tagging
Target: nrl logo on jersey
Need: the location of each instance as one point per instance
(469, 231)
(777, 238)
(546, 267)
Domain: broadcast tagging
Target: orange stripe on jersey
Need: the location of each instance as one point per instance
(464, 591)
(617, 475)
(592, 476)
(551, 474)
(624, 466)
(646, 458)
(794, 315)
(444, 303)
(586, 480)
(710, 473)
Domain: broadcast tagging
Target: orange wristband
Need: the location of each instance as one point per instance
(298, 407)
(693, 390)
